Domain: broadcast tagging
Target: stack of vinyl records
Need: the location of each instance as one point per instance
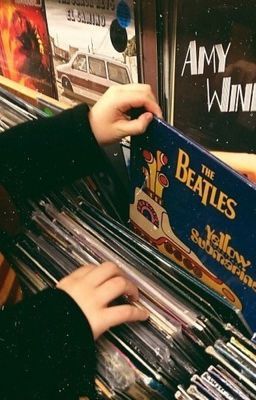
(231, 374)
(193, 346)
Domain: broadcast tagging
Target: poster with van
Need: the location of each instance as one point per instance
(93, 44)
(213, 94)
(25, 51)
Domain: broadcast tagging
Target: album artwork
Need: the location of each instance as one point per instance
(197, 211)
(212, 98)
(25, 52)
(94, 46)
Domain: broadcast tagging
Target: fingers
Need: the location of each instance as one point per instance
(96, 274)
(81, 271)
(94, 287)
(103, 272)
(117, 315)
(116, 287)
(135, 126)
(110, 112)
(137, 98)
(110, 282)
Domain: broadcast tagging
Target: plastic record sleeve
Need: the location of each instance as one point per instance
(164, 298)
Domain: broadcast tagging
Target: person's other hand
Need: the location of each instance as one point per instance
(243, 163)
(93, 288)
(109, 117)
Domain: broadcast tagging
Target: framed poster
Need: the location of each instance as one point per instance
(94, 46)
(210, 77)
(148, 37)
(25, 51)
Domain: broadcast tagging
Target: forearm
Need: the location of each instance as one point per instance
(47, 153)
(46, 349)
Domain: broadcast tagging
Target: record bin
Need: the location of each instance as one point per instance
(194, 343)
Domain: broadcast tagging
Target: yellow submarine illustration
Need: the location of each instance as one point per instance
(150, 220)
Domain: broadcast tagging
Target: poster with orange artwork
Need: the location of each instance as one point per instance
(25, 51)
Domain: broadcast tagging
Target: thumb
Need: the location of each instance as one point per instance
(136, 126)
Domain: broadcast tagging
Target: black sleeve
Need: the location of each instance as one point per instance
(46, 344)
(38, 155)
(47, 349)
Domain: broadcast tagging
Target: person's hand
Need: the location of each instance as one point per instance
(243, 163)
(109, 119)
(93, 288)
(241, 72)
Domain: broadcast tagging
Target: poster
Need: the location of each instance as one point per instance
(94, 46)
(196, 211)
(214, 78)
(25, 52)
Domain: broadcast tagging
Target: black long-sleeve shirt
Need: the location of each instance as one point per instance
(46, 344)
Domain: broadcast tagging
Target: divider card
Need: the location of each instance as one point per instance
(94, 46)
(197, 211)
(25, 51)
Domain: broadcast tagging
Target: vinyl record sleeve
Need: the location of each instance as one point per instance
(194, 209)
(25, 51)
(227, 383)
(239, 386)
(205, 388)
(94, 46)
(21, 103)
(209, 76)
